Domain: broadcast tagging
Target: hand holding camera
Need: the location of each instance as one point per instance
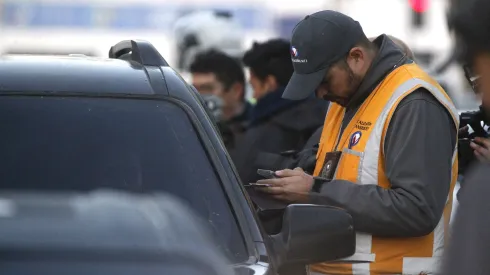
(481, 147)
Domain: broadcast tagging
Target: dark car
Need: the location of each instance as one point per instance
(102, 233)
(131, 123)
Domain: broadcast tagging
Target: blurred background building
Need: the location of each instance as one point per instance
(91, 26)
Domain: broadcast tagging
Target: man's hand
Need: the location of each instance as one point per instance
(463, 131)
(291, 185)
(482, 150)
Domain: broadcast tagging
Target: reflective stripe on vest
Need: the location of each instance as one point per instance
(365, 165)
(372, 151)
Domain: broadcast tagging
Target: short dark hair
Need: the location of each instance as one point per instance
(365, 42)
(471, 24)
(227, 69)
(270, 58)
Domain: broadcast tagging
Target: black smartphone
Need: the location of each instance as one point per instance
(268, 174)
(257, 185)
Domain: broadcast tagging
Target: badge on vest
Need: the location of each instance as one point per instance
(354, 139)
(330, 165)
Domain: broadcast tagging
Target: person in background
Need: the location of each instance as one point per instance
(403, 46)
(217, 74)
(277, 125)
(470, 242)
(204, 30)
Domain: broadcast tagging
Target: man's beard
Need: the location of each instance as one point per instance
(354, 83)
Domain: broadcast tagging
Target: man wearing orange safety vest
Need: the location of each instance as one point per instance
(387, 153)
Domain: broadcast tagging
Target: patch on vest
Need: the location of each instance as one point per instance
(363, 125)
(354, 139)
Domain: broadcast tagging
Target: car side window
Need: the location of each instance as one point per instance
(55, 143)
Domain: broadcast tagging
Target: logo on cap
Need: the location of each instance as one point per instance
(294, 52)
(354, 139)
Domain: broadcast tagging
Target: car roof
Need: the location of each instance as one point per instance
(133, 68)
(26, 73)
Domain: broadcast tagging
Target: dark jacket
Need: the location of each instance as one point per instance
(233, 129)
(277, 125)
(306, 158)
(418, 148)
(278, 128)
(470, 238)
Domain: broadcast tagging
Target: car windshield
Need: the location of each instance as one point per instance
(68, 143)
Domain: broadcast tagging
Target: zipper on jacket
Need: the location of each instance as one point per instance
(339, 135)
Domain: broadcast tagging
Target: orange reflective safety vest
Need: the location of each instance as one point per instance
(363, 163)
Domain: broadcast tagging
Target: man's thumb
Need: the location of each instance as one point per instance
(463, 131)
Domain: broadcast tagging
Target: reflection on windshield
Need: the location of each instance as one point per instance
(134, 145)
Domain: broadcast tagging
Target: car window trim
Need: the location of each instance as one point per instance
(237, 207)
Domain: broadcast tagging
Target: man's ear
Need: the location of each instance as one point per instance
(356, 59)
(357, 53)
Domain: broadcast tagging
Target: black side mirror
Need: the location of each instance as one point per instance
(313, 234)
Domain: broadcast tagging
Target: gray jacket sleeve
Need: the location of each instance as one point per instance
(418, 155)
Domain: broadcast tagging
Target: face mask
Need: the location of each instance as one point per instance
(215, 105)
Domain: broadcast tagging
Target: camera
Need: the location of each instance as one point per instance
(476, 120)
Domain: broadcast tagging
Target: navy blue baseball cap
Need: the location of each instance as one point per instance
(318, 41)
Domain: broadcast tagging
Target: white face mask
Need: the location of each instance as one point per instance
(215, 105)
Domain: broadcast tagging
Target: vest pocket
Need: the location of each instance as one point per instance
(349, 165)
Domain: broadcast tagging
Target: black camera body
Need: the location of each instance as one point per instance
(476, 120)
